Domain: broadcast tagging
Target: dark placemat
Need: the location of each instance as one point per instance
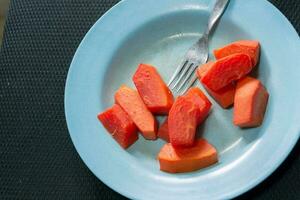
(37, 157)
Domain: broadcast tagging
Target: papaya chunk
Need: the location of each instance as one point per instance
(153, 90)
(225, 96)
(196, 96)
(133, 105)
(226, 70)
(117, 122)
(182, 122)
(250, 47)
(250, 102)
(187, 159)
(163, 131)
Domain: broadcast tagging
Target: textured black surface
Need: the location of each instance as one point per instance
(37, 158)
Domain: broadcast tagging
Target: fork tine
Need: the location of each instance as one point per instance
(184, 71)
(187, 77)
(177, 72)
(185, 87)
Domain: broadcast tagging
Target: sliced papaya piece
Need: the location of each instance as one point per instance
(250, 102)
(186, 159)
(226, 70)
(182, 122)
(250, 47)
(225, 96)
(117, 122)
(153, 90)
(133, 105)
(163, 131)
(196, 96)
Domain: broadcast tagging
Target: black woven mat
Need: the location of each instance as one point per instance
(37, 158)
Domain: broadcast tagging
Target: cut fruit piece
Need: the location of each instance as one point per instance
(153, 90)
(117, 122)
(186, 113)
(182, 122)
(226, 70)
(134, 106)
(250, 102)
(163, 131)
(225, 96)
(196, 96)
(250, 47)
(177, 160)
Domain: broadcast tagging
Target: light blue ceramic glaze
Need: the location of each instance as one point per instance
(159, 33)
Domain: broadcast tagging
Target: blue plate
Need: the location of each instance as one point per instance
(159, 33)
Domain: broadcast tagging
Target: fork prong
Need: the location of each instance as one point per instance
(182, 74)
(185, 87)
(177, 72)
(187, 77)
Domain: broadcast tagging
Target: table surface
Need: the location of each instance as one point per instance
(37, 157)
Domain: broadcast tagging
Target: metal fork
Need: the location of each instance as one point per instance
(185, 76)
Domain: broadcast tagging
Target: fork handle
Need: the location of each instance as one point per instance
(215, 15)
